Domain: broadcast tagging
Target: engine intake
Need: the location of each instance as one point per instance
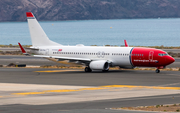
(99, 65)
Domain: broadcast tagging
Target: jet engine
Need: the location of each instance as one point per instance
(99, 65)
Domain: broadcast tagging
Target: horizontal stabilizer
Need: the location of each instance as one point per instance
(22, 49)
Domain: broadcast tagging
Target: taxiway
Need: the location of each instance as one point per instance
(69, 91)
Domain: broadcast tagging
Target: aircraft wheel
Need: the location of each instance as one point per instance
(87, 69)
(157, 71)
(105, 70)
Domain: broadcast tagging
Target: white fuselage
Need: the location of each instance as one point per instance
(119, 56)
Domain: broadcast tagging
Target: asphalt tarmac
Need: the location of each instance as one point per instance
(40, 90)
(74, 91)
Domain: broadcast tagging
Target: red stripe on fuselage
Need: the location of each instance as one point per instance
(148, 57)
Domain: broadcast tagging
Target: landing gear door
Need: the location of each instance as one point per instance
(47, 52)
(151, 53)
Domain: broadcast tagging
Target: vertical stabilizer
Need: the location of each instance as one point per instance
(38, 36)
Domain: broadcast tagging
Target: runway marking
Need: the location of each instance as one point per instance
(170, 84)
(144, 87)
(9, 96)
(97, 88)
(49, 71)
(59, 91)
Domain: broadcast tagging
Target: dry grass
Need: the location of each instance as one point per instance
(13, 46)
(164, 108)
(11, 53)
(153, 69)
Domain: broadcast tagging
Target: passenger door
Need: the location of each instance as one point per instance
(47, 52)
(151, 53)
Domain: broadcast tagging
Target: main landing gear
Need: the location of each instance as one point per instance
(87, 69)
(105, 70)
(157, 71)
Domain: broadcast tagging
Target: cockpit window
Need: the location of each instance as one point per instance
(162, 54)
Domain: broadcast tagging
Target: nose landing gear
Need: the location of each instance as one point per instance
(161, 67)
(157, 71)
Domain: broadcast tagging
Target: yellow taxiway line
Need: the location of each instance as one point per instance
(143, 87)
(97, 88)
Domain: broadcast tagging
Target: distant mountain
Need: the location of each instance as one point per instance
(14, 10)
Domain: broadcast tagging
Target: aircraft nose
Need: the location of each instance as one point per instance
(170, 59)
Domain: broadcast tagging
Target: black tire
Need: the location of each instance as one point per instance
(105, 70)
(157, 71)
(90, 70)
(87, 69)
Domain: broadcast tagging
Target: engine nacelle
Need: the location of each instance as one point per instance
(99, 65)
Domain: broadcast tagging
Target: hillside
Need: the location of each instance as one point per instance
(14, 10)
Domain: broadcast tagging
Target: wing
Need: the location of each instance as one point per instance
(65, 58)
(126, 44)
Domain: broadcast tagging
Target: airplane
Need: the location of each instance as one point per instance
(95, 57)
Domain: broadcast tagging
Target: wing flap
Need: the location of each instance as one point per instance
(31, 48)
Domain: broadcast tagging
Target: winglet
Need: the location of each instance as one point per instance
(126, 45)
(22, 49)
